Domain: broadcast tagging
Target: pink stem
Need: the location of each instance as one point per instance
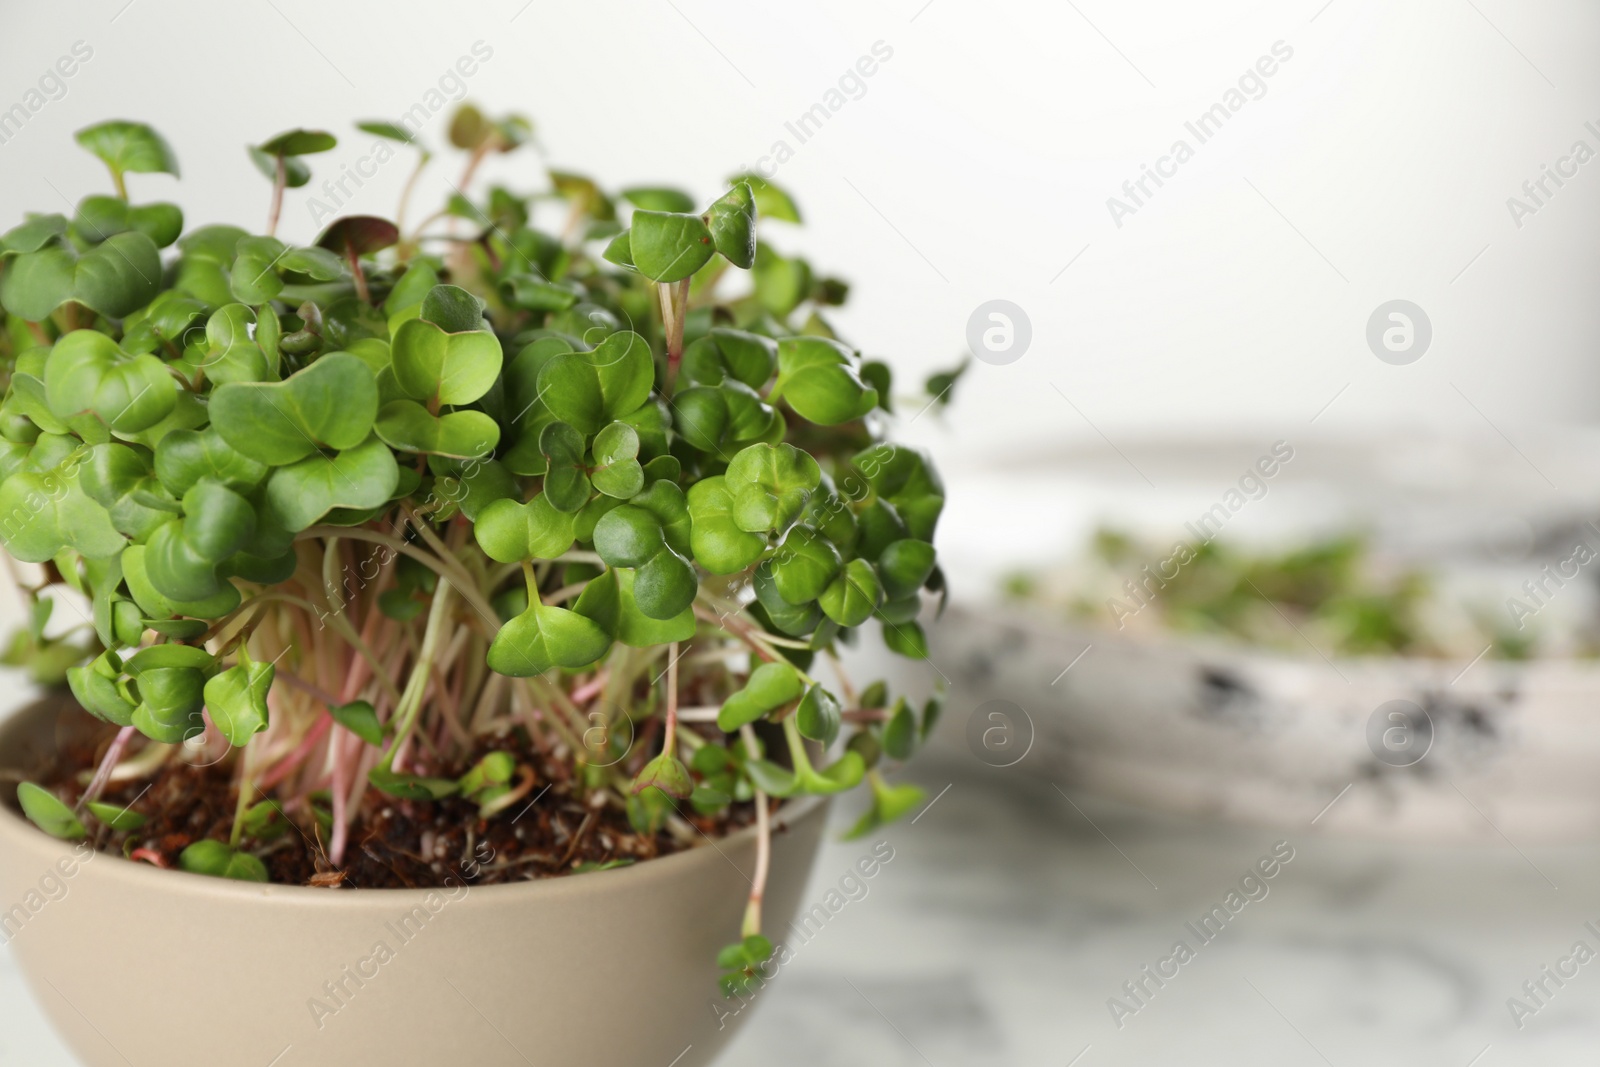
(285, 766)
(360, 670)
(113, 756)
(590, 689)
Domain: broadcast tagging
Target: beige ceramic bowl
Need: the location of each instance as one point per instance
(138, 966)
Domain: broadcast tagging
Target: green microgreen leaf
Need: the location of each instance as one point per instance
(821, 380)
(725, 418)
(772, 779)
(804, 565)
(667, 773)
(48, 813)
(721, 545)
(732, 222)
(410, 786)
(628, 536)
(299, 143)
(900, 732)
(117, 477)
(333, 403)
(587, 390)
(633, 536)
(406, 425)
(617, 471)
(889, 802)
(303, 492)
(906, 639)
(545, 637)
(115, 278)
(536, 294)
(771, 201)
(818, 715)
(782, 283)
(116, 816)
(508, 531)
(128, 147)
(237, 699)
(185, 457)
(170, 704)
(770, 686)
(853, 594)
(159, 608)
(566, 479)
(494, 769)
(181, 556)
(905, 478)
(361, 719)
(220, 860)
(905, 566)
(657, 198)
(391, 131)
(620, 250)
(636, 628)
(101, 217)
(669, 246)
(770, 485)
(99, 694)
(34, 233)
(445, 354)
(48, 511)
(88, 375)
(726, 353)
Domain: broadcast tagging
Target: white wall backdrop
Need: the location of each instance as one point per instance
(976, 163)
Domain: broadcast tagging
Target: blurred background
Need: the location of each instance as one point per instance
(1178, 243)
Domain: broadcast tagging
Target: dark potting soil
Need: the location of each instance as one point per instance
(393, 843)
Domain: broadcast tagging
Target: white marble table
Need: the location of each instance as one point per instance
(1008, 917)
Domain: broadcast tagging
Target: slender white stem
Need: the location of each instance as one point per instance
(698, 714)
(758, 885)
(671, 742)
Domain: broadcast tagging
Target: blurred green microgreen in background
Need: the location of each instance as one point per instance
(1336, 592)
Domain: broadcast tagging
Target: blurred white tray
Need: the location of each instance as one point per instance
(1227, 730)
(1233, 733)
